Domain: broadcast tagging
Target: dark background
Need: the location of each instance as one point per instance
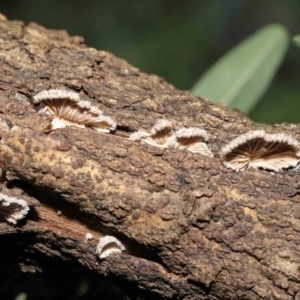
(177, 40)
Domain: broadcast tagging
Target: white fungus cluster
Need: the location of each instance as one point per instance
(254, 149)
(163, 135)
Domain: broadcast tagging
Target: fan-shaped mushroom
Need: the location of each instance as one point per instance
(108, 245)
(193, 139)
(68, 109)
(160, 135)
(12, 209)
(258, 149)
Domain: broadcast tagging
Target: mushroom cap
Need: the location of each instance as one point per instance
(68, 109)
(160, 134)
(161, 125)
(258, 149)
(192, 132)
(193, 139)
(56, 94)
(88, 236)
(102, 123)
(12, 209)
(108, 245)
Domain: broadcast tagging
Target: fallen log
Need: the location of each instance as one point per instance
(191, 227)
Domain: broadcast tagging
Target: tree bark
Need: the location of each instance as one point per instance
(192, 228)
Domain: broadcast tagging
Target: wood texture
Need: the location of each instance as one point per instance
(192, 228)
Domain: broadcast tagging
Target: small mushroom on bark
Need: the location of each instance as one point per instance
(260, 150)
(68, 109)
(12, 209)
(193, 139)
(160, 135)
(108, 245)
(88, 236)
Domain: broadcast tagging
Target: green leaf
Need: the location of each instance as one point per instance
(242, 75)
(296, 40)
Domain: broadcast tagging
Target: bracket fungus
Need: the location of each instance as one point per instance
(108, 245)
(260, 150)
(160, 135)
(193, 139)
(12, 209)
(68, 109)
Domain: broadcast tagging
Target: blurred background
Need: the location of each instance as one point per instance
(178, 40)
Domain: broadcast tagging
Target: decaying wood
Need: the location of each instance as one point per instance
(192, 228)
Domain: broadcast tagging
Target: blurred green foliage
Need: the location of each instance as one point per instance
(296, 40)
(178, 40)
(242, 75)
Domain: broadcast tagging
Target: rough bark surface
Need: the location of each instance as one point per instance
(192, 228)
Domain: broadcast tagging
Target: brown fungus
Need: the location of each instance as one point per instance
(12, 209)
(260, 150)
(193, 139)
(68, 109)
